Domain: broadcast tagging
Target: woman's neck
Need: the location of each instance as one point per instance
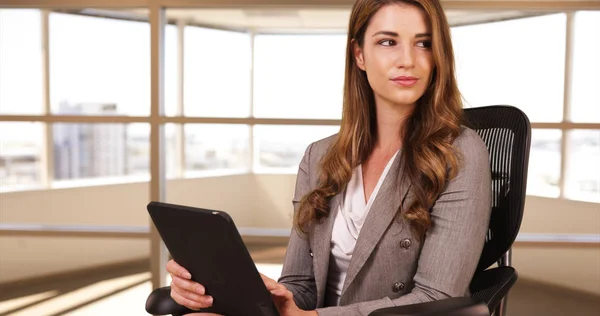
(390, 120)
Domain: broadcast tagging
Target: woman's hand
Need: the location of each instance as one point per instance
(284, 299)
(192, 294)
(185, 291)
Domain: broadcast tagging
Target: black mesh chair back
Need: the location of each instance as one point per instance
(506, 132)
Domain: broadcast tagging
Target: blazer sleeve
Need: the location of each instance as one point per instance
(452, 247)
(297, 274)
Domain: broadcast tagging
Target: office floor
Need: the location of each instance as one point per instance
(123, 291)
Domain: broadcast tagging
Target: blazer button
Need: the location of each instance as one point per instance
(398, 286)
(311, 253)
(405, 243)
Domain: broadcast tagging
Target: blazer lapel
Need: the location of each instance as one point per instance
(383, 211)
(322, 247)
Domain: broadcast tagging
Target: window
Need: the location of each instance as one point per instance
(518, 62)
(521, 62)
(21, 146)
(103, 150)
(20, 62)
(99, 61)
(544, 163)
(280, 148)
(217, 73)
(100, 66)
(585, 98)
(583, 165)
(210, 147)
(299, 76)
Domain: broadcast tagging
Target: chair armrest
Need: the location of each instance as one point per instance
(457, 306)
(159, 302)
(492, 285)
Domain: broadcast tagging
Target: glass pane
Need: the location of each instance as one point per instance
(20, 62)
(299, 76)
(216, 147)
(217, 73)
(585, 99)
(99, 60)
(21, 146)
(138, 148)
(517, 62)
(544, 163)
(171, 66)
(280, 146)
(105, 150)
(172, 151)
(582, 180)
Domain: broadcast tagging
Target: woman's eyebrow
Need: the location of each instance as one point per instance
(394, 34)
(388, 33)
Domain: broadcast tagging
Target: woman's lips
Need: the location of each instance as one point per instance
(405, 81)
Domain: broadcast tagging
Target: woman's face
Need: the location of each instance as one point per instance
(396, 54)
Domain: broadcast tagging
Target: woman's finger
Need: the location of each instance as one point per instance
(284, 300)
(184, 301)
(191, 304)
(205, 299)
(175, 269)
(278, 291)
(269, 283)
(188, 285)
(282, 292)
(288, 294)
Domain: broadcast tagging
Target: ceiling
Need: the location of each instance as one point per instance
(281, 19)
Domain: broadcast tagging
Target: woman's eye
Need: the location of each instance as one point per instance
(387, 43)
(424, 44)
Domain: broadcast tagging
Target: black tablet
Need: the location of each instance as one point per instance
(207, 243)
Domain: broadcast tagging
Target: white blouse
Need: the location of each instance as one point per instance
(349, 220)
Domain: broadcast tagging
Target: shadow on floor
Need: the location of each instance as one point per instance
(530, 298)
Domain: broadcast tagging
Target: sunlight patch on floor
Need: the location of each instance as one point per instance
(80, 296)
(129, 302)
(19, 302)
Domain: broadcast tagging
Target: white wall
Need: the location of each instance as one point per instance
(274, 200)
(261, 201)
(576, 267)
(123, 205)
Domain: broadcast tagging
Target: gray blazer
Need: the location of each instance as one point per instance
(389, 266)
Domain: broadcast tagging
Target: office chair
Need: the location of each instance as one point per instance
(506, 131)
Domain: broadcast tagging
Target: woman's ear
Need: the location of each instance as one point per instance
(358, 55)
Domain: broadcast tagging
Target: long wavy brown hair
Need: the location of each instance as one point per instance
(428, 158)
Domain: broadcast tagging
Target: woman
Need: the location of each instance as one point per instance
(392, 210)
